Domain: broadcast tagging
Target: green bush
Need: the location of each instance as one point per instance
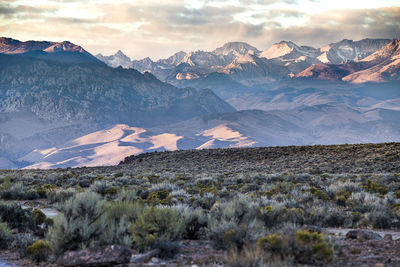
(60, 195)
(5, 234)
(19, 192)
(79, 225)
(375, 188)
(40, 217)
(17, 217)
(272, 242)
(156, 225)
(194, 222)
(117, 219)
(304, 246)
(158, 197)
(39, 251)
(312, 247)
(23, 241)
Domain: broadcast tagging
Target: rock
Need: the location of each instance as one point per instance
(155, 260)
(97, 256)
(14, 231)
(379, 265)
(363, 235)
(145, 257)
(388, 237)
(313, 228)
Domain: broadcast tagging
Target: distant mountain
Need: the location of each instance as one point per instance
(95, 92)
(62, 52)
(383, 65)
(288, 50)
(345, 50)
(62, 107)
(247, 67)
(47, 100)
(12, 46)
(325, 71)
(236, 49)
(116, 60)
(320, 124)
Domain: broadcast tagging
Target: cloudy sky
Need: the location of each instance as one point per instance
(158, 28)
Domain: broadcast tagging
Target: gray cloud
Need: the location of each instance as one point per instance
(342, 24)
(158, 30)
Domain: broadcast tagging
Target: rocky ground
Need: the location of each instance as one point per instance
(362, 158)
(336, 189)
(364, 248)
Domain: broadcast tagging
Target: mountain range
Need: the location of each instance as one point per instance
(283, 61)
(60, 106)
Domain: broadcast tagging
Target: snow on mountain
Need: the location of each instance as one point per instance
(345, 50)
(236, 49)
(173, 60)
(384, 65)
(278, 50)
(250, 69)
(116, 60)
(248, 66)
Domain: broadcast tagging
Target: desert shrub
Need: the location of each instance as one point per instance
(272, 243)
(275, 213)
(39, 251)
(23, 241)
(365, 202)
(127, 195)
(180, 195)
(117, 219)
(371, 186)
(380, 218)
(5, 235)
(312, 247)
(158, 197)
(19, 192)
(101, 187)
(17, 217)
(43, 190)
(40, 217)
(252, 256)
(156, 225)
(233, 223)
(60, 195)
(79, 223)
(233, 235)
(194, 222)
(223, 233)
(206, 201)
(339, 188)
(240, 209)
(167, 186)
(306, 247)
(334, 219)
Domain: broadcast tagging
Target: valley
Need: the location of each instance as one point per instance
(56, 96)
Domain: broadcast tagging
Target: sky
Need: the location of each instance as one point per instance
(159, 28)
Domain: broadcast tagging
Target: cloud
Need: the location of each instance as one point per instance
(155, 29)
(336, 25)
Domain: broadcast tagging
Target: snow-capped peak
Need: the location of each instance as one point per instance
(237, 48)
(279, 49)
